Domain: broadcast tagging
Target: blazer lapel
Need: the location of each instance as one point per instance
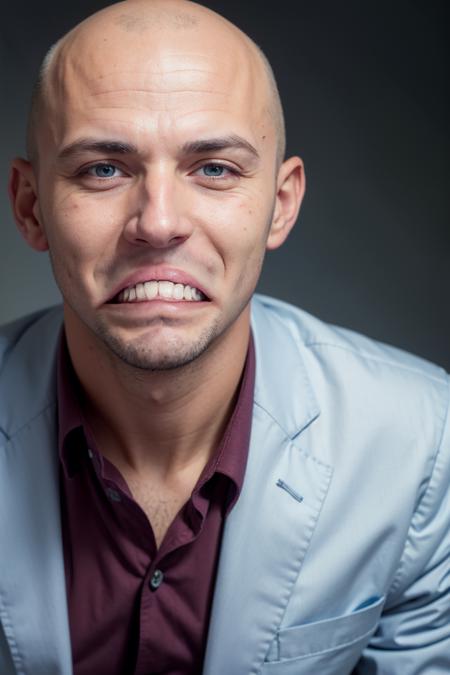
(33, 608)
(269, 530)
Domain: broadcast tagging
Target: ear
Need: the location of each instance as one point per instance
(22, 190)
(290, 191)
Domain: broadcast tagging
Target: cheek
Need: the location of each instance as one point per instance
(79, 232)
(239, 223)
(242, 242)
(251, 228)
(256, 221)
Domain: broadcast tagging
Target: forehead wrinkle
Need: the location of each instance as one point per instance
(151, 102)
(77, 83)
(152, 92)
(76, 77)
(163, 71)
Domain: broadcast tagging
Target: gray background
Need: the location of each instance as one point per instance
(364, 89)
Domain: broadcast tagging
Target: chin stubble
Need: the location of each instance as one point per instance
(141, 354)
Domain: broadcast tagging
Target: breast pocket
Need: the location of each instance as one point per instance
(329, 647)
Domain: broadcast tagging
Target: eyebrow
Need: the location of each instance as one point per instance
(108, 147)
(112, 147)
(232, 142)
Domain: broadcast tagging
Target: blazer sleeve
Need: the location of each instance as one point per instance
(413, 635)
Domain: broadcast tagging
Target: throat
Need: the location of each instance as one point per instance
(161, 500)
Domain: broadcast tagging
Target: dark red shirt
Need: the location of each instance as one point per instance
(133, 608)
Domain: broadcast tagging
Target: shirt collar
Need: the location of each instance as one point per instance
(230, 459)
(70, 419)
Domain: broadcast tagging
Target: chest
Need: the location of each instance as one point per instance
(160, 502)
(111, 566)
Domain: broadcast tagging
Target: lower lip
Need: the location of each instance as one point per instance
(168, 306)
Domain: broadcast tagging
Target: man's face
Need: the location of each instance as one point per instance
(156, 192)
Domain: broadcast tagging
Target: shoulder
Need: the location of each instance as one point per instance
(372, 391)
(308, 335)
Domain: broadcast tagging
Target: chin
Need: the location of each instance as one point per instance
(160, 352)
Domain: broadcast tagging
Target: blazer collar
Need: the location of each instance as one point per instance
(281, 375)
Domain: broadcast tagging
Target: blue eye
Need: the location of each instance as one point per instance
(102, 171)
(213, 170)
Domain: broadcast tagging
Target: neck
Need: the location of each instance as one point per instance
(159, 421)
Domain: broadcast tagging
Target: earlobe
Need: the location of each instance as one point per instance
(290, 192)
(24, 202)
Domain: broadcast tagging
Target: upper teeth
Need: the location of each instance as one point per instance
(149, 290)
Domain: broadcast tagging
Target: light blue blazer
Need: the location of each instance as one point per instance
(335, 559)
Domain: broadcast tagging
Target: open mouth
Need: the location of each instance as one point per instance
(159, 290)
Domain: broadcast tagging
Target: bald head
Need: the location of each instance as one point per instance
(142, 23)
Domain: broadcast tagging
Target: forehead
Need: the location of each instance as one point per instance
(167, 80)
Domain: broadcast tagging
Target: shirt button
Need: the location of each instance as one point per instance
(113, 495)
(156, 580)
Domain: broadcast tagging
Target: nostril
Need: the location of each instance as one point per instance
(156, 241)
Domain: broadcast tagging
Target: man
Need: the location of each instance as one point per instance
(194, 480)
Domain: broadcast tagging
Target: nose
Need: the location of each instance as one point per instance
(159, 215)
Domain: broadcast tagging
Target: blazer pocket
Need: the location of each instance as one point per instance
(326, 636)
